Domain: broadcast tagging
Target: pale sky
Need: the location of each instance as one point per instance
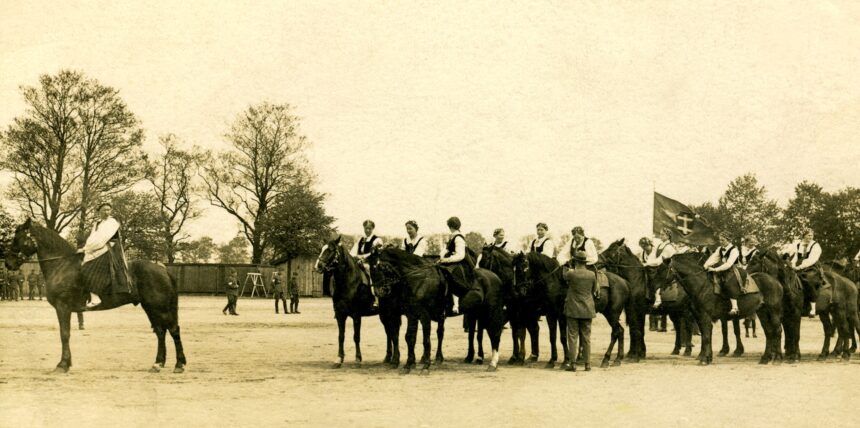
(504, 114)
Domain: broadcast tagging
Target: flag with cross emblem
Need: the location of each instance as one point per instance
(684, 225)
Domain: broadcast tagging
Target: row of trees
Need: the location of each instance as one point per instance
(78, 144)
(745, 209)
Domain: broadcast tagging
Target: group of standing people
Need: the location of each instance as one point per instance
(279, 290)
(14, 285)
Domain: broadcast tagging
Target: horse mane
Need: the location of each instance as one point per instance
(542, 261)
(50, 240)
(403, 258)
(506, 256)
(690, 258)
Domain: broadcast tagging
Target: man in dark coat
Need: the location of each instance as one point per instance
(278, 292)
(232, 293)
(294, 293)
(579, 309)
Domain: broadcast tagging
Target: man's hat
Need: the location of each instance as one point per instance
(579, 256)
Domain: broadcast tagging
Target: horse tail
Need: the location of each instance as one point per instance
(174, 298)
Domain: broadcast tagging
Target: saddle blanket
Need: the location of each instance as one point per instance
(751, 287)
(602, 279)
(670, 293)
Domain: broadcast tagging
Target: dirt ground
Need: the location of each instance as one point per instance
(277, 369)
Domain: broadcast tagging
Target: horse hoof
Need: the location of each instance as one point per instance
(777, 361)
(439, 361)
(358, 364)
(737, 354)
(604, 365)
(468, 360)
(703, 363)
(822, 357)
(479, 361)
(179, 370)
(425, 371)
(491, 368)
(60, 370)
(513, 361)
(156, 368)
(763, 361)
(550, 365)
(688, 353)
(532, 358)
(676, 352)
(723, 353)
(337, 365)
(405, 371)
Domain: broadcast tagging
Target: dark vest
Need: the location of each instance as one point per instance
(410, 248)
(724, 254)
(365, 245)
(803, 256)
(580, 248)
(449, 249)
(539, 248)
(746, 259)
(504, 244)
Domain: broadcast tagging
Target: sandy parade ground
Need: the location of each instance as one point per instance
(262, 368)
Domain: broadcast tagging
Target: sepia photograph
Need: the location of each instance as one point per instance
(465, 213)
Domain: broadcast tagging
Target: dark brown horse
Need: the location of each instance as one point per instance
(770, 262)
(836, 304)
(709, 307)
(424, 300)
(61, 267)
(637, 304)
(523, 304)
(611, 304)
(545, 275)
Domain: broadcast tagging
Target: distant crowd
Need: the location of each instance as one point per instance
(15, 285)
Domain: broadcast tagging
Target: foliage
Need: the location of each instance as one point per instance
(297, 223)
(139, 216)
(235, 251)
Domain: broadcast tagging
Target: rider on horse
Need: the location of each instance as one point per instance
(362, 249)
(104, 270)
(579, 242)
(723, 262)
(498, 242)
(664, 251)
(749, 248)
(542, 244)
(456, 264)
(805, 261)
(414, 243)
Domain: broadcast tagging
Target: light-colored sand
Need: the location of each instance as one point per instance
(261, 368)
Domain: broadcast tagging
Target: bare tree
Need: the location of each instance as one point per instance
(266, 160)
(172, 178)
(76, 143)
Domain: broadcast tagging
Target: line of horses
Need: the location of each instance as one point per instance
(517, 288)
(521, 288)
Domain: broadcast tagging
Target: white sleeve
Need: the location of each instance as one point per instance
(814, 255)
(459, 252)
(857, 257)
(713, 259)
(590, 253)
(548, 248)
(421, 248)
(564, 255)
(667, 253)
(652, 260)
(377, 242)
(733, 257)
(354, 251)
(100, 237)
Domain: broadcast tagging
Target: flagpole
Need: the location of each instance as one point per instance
(653, 191)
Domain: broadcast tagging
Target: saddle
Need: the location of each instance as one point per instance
(602, 278)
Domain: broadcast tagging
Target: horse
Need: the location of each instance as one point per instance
(637, 303)
(611, 305)
(708, 306)
(352, 299)
(523, 303)
(61, 267)
(425, 300)
(618, 258)
(545, 275)
(770, 262)
(836, 304)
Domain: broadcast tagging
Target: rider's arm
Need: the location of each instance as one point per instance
(100, 237)
(459, 252)
(590, 253)
(421, 248)
(730, 261)
(548, 248)
(354, 251)
(713, 259)
(814, 255)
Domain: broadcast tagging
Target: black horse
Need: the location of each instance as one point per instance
(836, 304)
(524, 304)
(424, 300)
(708, 306)
(61, 267)
(545, 276)
(770, 262)
(618, 258)
(352, 299)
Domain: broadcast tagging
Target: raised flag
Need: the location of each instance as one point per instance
(684, 225)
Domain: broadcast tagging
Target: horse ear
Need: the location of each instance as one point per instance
(337, 240)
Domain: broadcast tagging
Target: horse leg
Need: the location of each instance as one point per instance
(160, 355)
(827, 326)
(495, 338)
(388, 342)
(470, 355)
(739, 345)
(515, 337)
(426, 332)
(724, 325)
(767, 355)
(620, 336)
(180, 352)
(356, 337)
(440, 335)
(64, 316)
(534, 336)
(480, 328)
(612, 339)
(341, 335)
(395, 342)
(706, 329)
(553, 355)
(411, 336)
(687, 323)
(679, 334)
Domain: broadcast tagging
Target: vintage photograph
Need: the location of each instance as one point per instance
(429, 214)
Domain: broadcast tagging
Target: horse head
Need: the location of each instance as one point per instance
(22, 247)
(330, 256)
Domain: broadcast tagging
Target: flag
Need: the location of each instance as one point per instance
(684, 225)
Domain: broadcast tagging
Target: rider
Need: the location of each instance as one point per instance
(749, 248)
(805, 259)
(542, 244)
(578, 242)
(362, 249)
(649, 257)
(414, 243)
(665, 250)
(456, 264)
(498, 242)
(722, 262)
(104, 270)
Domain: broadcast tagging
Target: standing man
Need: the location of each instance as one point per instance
(362, 249)
(579, 309)
(232, 292)
(805, 258)
(542, 244)
(17, 281)
(4, 275)
(294, 293)
(414, 243)
(278, 291)
(722, 262)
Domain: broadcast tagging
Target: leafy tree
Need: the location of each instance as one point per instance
(196, 251)
(297, 223)
(7, 230)
(266, 161)
(235, 251)
(744, 209)
(139, 216)
(77, 143)
(172, 178)
(806, 205)
(475, 241)
(837, 223)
